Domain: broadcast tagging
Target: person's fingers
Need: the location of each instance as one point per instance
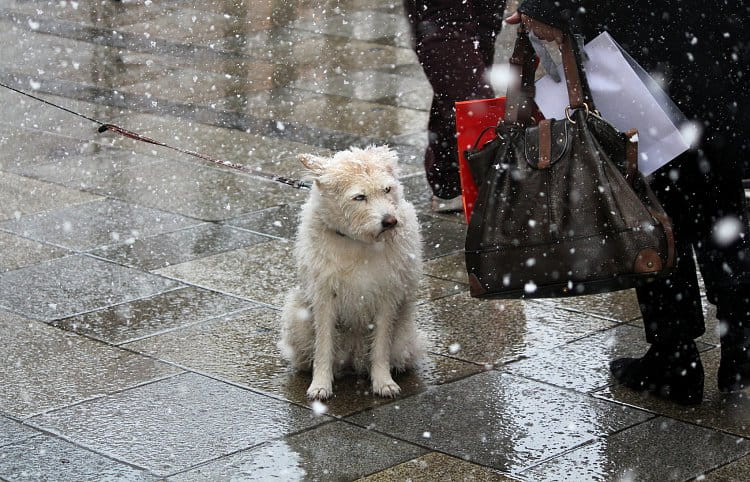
(541, 30)
(514, 19)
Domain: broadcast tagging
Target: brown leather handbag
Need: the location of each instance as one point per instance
(562, 209)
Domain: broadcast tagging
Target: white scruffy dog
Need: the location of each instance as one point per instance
(359, 259)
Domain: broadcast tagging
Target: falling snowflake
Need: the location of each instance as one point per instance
(727, 230)
(319, 408)
(529, 287)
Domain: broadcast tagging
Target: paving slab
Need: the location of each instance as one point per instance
(152, 315)
(114, 14)
(334, 451)
(21, 196)
(451, 267)
(174, 424)
(437, 466)
(241, 348)
(43, 368)
(721, 411)
(197, 87)
(263, 272)
(371, 119)
(418, 99)
(416, 189)
(431, 289)
(660, 449)
(381, 26)
(205, 193)
(370, 85)
(74, 284)
(733, 471)
(97, 223)
(17, 252)
(499, 420)
(27, 147)
(195, 27)
(12, 431)
(583, 365)
(279, 221)
(499, 331)
(618, 306)
(46, 458)
(162, 250)
(24, 113)
(30, 55)
(310, 50)
(79, 170)
(440, 237)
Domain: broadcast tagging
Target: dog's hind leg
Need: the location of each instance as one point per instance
(324, 320)
(297, 333)
(380, 354)
(407, 346)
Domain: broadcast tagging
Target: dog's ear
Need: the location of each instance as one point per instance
(387, 156)
(313, 163)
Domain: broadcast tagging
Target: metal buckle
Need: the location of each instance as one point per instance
(568, 111)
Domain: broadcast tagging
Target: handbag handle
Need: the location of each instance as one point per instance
(520, 103)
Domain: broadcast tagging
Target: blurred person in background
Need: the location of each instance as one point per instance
(455, 43)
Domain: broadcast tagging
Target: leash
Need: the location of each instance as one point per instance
(104, 127)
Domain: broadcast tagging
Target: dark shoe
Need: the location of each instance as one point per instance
(734, 369)
(670, 371)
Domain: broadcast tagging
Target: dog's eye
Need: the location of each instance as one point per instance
(359, 197)
(387, 190)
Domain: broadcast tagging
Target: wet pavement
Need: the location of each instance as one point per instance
(140, 288)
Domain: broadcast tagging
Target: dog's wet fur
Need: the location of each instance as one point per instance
(359, 258)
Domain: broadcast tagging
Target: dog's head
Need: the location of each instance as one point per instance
(358, 192)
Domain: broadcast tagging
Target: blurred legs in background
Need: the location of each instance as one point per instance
(455, 43)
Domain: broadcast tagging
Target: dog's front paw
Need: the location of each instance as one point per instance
(386, 388)
(319, 392)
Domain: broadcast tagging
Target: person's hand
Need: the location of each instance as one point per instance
(541, 30)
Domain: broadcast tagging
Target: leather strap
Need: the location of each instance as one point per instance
(631, 155)
(667, 225)
(545, 143)
(520, 105)
(579, 92)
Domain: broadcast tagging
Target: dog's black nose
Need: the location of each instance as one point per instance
(389, 221)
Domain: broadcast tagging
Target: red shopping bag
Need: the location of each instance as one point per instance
(472, 117)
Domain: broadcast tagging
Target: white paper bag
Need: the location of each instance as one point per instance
(628, 98)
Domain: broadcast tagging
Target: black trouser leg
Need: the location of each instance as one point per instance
(671, 306)
(700, 191)
(454, 41)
